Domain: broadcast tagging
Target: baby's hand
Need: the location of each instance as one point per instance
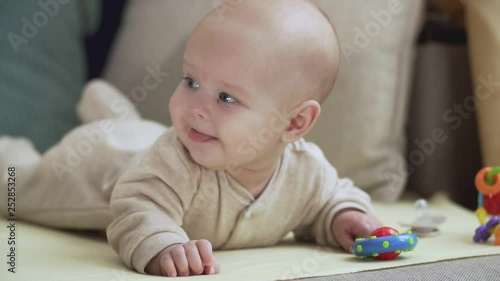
(349, 224)
(192, 258)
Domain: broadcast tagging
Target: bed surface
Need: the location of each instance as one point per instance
(50, 254)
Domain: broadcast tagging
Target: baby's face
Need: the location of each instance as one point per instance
(225, 110)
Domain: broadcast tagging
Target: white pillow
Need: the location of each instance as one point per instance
(361, 127)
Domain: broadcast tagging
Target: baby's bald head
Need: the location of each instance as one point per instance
(295, 35)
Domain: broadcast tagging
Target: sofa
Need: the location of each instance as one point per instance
(395, 103)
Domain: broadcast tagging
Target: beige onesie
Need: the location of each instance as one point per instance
(170, 199)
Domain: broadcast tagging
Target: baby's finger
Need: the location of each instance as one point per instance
(361, 229)
(344, 238)
(193, 258)
(180, 260)
(205, 249)
(365, 226)
(167, 266)
(213, 268)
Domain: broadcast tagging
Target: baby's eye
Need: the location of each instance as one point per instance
(191, 83)
(225, 97)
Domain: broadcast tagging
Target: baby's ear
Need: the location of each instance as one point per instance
(305, 116)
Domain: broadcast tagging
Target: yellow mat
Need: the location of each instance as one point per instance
(48, 254)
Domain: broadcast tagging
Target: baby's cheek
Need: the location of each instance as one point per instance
(174, 107)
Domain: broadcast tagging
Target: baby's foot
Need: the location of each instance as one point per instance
(101, 100)
(17, 152)
(17, 145)
(18, 159)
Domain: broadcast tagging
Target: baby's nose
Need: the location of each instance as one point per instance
(200, 105)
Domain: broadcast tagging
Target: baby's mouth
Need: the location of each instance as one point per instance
(197, 136)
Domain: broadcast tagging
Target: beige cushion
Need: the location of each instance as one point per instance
(483, 24)
(361, 127)
(152, 40)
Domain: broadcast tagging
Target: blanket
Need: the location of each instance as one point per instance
(50, 254)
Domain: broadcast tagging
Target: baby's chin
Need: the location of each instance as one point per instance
(206, 161)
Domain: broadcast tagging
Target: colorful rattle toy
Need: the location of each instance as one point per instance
(488, 203)
(385, 243)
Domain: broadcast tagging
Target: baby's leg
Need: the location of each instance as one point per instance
(53, 189)
(71, 184)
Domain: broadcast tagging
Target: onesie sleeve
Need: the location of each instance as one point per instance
(329, 194)
(148, 204)
(337, 194)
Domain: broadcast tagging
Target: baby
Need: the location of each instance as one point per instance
(234, 170)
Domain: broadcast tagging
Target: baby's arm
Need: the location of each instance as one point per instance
(146, 230)
(341, 213)
(350, 212)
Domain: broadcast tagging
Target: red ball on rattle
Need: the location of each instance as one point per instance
(382, 232)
